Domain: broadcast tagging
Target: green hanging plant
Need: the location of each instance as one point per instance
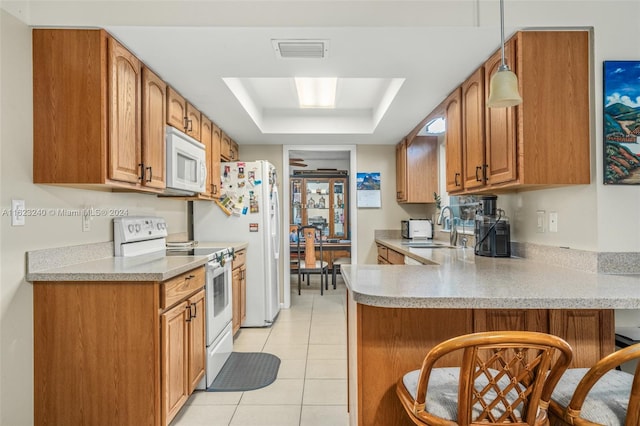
(438, 200)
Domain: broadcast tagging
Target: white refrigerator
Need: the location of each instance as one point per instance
(248, 210)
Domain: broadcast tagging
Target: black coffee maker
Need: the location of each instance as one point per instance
(492, 231)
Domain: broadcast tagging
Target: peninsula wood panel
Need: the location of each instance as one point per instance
(96, 347)
(390, 343)
(511, 319)
(386, 343)
(590, 332)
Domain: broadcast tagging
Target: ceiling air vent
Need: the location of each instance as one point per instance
(305, 49)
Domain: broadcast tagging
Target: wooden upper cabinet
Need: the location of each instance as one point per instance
(401, 171)
(542, 142)
(453, 141)
(125, 157)
(473, 106)
(206, 133)
(214, 164)
(182, 115)
(225, 147)
(87, 128)
(553, 119)
(418, 156)
(176, 109)
(153, 129)
(192, 125)
(500, 126)
(234, 152)
(210, 137)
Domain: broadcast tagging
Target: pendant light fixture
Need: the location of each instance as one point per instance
(503, 89)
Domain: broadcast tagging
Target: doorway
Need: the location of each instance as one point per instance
(316, 157)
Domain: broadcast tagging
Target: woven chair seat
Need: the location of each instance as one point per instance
(607, 401)
(442, 399)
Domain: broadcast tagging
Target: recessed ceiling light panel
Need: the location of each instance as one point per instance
(300, 48)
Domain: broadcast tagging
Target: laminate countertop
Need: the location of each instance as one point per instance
(456, 278)
(95, 262)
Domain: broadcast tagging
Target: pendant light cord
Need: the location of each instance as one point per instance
(503, 66)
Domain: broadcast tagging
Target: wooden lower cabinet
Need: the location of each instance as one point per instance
(383, 344)
(175, 353)
(110, 353)
(387, 256)
(239, 284)
(183, 353)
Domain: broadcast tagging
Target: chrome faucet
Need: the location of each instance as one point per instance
(453, 233)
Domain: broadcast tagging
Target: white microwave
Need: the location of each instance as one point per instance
(186, 163)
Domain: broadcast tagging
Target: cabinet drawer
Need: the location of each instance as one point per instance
(177, 288)
(395, 258)
(383, 251)
(241, 259)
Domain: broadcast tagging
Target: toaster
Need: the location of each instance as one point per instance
(416, 228)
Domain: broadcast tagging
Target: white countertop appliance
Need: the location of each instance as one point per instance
(248, 211)
(417, 228)
(186, 163)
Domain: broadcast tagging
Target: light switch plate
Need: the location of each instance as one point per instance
(540, 221)
(553, 221)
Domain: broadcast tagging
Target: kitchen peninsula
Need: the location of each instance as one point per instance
(396, 313)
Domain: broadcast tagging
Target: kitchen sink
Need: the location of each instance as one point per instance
(426, 244)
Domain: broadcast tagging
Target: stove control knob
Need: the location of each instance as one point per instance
(137, 227)
(130, 228)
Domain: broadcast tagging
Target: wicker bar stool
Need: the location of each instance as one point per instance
(503, 378)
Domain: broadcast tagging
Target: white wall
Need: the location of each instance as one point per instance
(381, 158)
(590, 217)
(16, 313)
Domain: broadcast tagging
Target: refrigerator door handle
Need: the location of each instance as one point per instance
(275, 222)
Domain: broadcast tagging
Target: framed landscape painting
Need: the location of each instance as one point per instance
(621, 122)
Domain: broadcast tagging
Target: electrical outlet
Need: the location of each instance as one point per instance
(17, 212)
(553, 221)
(540, 221)
(86, 219)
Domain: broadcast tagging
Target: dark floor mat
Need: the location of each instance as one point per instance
(246, 371)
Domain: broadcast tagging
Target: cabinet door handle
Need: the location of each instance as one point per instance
(478, 177)
(195, 310)
(189, 308)
(150, 176)
(141, 177)
(188, 125)
(484, 172)
(455, 179)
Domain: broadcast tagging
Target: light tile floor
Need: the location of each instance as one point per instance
(311, 388)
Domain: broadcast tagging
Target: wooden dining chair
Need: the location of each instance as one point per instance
(600, 395)
(311, 261)
(503, 377)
